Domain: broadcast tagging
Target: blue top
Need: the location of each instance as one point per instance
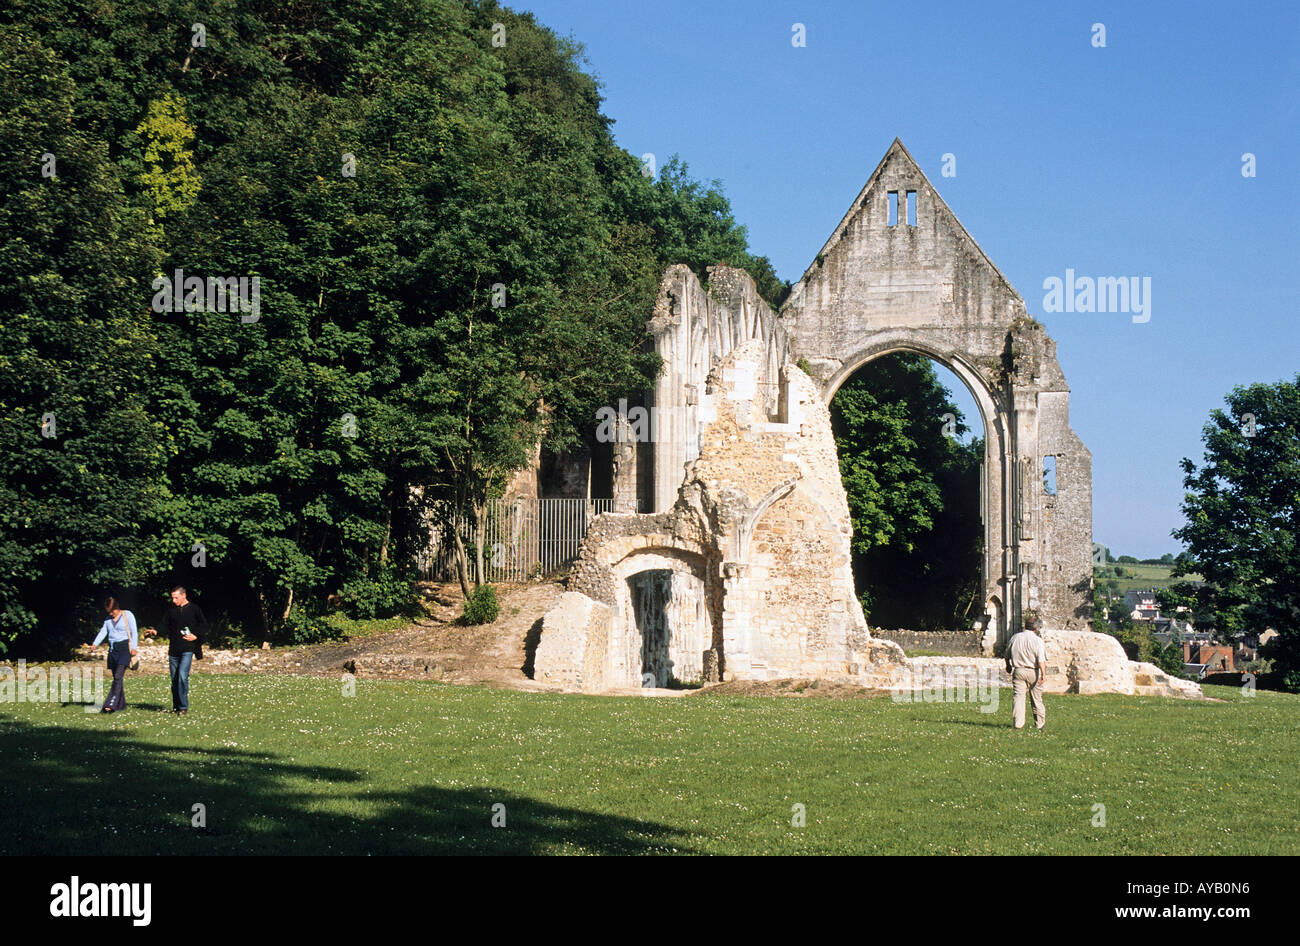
(116, 631)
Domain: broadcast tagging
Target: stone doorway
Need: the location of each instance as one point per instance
(651, 592)
(662, 625)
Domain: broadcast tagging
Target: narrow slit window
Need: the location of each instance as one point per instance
(1049, 475)
(893, 208)
(911, 208)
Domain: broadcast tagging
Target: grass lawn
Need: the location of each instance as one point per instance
(1142, 577)
(289, 765)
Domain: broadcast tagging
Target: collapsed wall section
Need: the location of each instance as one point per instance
(749, 569)
(693, 329)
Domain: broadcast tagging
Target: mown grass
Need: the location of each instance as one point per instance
(1142, 577)
(290, 765)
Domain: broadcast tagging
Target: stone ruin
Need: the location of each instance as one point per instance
(727, 555)
(746, 576)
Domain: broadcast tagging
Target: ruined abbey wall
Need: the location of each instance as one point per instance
(758, 532)
(731, 530)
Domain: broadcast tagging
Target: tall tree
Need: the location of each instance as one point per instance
(1242, 507)
(453, 261)
(80, 457)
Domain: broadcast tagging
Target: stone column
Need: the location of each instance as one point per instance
(735, 623)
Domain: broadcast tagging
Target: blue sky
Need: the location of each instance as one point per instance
(1116, 161)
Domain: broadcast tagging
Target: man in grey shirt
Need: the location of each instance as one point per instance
(1027, 663)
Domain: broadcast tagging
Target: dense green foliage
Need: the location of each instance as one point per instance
(408, 767)
(481, 606)
(1137, 638)
(454, 260)
(913, 490)
(1242, 507)
(81, 455)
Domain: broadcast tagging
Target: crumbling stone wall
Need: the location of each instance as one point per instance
(762, 523)
(954, 643)
(927, 286)
(740, 490)
(693, 329)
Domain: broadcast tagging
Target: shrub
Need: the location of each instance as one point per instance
(481, 607)
(303, 627)
(390, 593)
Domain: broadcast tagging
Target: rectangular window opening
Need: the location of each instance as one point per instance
(911, 208)
(1049, 475)
(893, 208)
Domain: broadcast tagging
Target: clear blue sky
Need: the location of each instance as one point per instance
(1120, 161)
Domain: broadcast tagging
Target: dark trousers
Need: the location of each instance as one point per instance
(119, 658)
(179, 664)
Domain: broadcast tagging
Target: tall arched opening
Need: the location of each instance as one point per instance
(922, 467)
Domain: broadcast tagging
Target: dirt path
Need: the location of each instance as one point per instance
(431, 648)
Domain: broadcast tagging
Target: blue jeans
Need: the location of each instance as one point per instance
(119, 658)
(179, 665)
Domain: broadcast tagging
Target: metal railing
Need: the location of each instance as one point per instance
(522, 539)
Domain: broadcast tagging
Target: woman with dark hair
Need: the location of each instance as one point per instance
(123, 644)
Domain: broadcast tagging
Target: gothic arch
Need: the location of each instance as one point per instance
(886, 281)
(996, 463)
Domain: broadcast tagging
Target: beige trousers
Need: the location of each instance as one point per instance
(1021, 681)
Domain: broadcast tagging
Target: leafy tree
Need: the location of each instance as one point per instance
(1242, 507)
(692, 223)
(1183, 595)
(455, 263)
(80, 456)
(170, 181)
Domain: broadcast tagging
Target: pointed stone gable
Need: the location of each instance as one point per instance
(927, 271)
(900, 273)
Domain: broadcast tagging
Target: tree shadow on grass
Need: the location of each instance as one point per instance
(93, 792)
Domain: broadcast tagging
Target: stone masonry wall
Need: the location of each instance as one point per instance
(762, 523)
(955, 643)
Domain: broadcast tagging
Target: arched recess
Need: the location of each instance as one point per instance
(996, 494)
(678, 580)
(745, 533)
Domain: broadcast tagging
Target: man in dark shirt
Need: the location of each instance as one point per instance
(185, 627)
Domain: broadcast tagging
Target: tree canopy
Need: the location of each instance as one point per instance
(416, 252)
(1242, 508)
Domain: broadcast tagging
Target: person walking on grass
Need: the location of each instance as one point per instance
(1027, 664)
(123, 644)
(185, 627)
